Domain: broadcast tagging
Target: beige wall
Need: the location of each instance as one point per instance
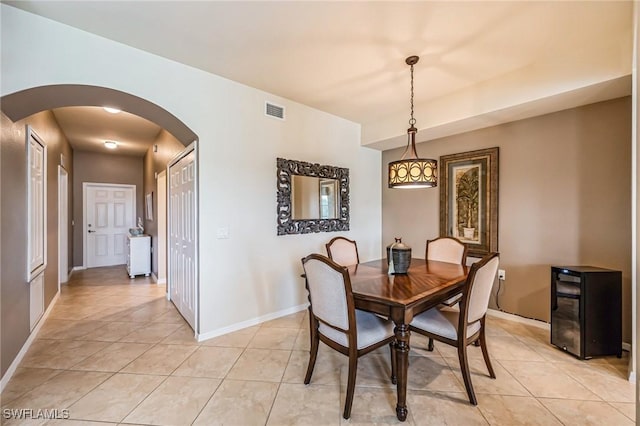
(564, 198)
(14, 290)
(155, 162)
(101, 168)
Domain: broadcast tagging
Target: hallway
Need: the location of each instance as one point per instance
(115, 351)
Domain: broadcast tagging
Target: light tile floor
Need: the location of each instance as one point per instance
(114, 351)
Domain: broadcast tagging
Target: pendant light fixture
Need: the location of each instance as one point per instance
(411, 171)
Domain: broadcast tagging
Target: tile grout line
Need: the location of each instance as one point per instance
(266, 421)
(153, 345)
(280, 383)
(516, 379)
(499, 362)
(552, 413)
(221, 380)
(143, 399)
(618, 410)
(71, 369)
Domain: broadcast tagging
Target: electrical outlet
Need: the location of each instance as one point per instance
(222, 233)
(502, 275)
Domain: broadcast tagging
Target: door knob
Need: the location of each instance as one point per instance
(90, 230)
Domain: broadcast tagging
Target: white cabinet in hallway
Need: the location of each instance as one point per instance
(138, 255)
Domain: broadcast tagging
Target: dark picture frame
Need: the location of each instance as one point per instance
(469, 199)
(149, 206)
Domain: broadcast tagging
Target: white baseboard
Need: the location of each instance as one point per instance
(251, 322)
(518, 318)
(536, 323)
(631, 376)
(14, 365)
(74, 269)
(158, 280)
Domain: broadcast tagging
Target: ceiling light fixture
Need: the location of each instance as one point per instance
(111, 144)
(112, 110)
(413, 172)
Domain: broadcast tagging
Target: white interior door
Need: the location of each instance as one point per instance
(36, 223)
(109, 213)
(161, 190)
(63, 226)
(182, 272)
(36, 204)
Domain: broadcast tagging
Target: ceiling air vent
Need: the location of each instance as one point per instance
(275, 111)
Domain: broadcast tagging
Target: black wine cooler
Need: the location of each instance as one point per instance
(586, 310)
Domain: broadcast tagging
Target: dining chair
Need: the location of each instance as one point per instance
(334, 320)
(450, 250)
(343, 251)
(446, 249)
(465, 326)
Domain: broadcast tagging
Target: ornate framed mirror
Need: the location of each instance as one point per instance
(311, 197)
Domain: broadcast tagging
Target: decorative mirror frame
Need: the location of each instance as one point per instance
(286, 224)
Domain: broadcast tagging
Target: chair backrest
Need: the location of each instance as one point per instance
(343, 251)
(475, 298)
(330, 292)
(446, 249)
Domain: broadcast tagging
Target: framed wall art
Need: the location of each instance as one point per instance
(149, 206)
(469, 199)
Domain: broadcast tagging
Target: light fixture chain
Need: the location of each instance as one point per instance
(412, 121)
(411, 171)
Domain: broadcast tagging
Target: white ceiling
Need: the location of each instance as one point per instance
(481, 63)
(87, 129)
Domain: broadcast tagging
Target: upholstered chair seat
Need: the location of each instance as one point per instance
(465, 326)
(443, 322)
(370, 330)
(334, 320)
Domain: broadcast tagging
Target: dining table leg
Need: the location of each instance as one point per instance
(402, 356)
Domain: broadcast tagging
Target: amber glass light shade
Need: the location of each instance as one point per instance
(413, 172)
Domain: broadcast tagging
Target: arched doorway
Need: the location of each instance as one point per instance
(23, 104)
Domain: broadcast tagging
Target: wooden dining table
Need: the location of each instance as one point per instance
(400, 298)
